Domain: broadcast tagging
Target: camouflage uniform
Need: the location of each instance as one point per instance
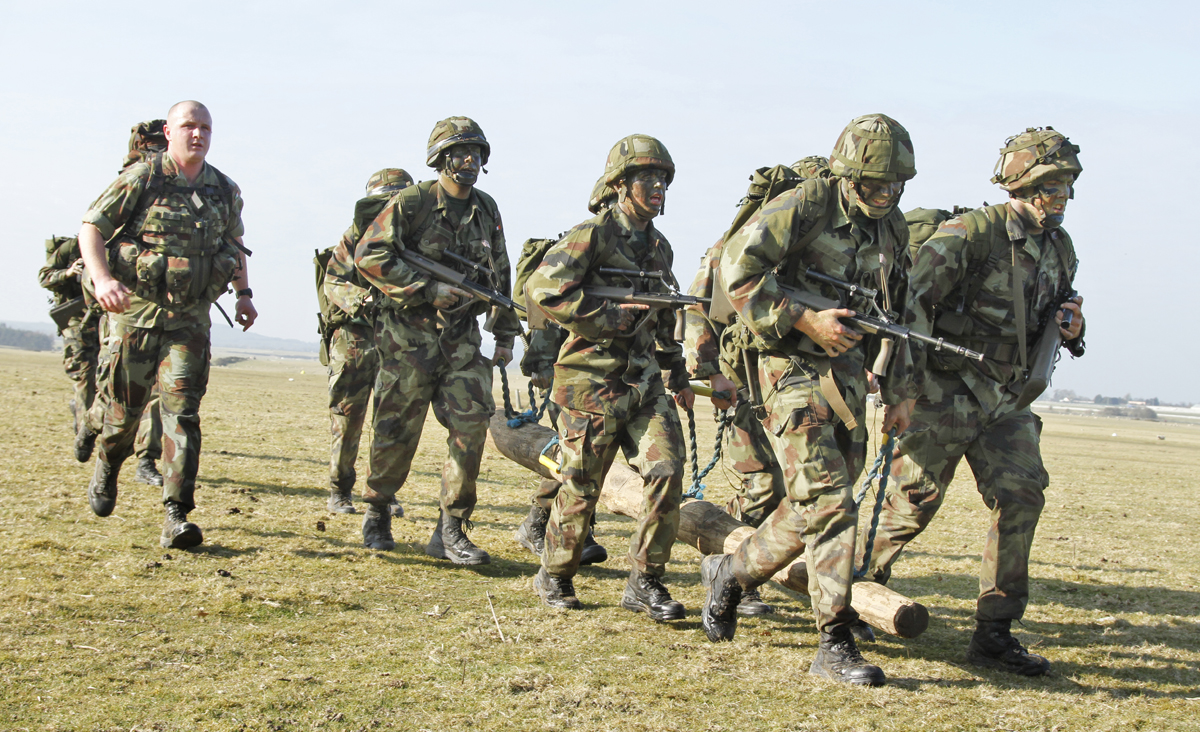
(822, 452)
(81, 337)
(969, 408)
(353, 364)
(425, 356)
(176, 255)
(609, 384)
(746, 446)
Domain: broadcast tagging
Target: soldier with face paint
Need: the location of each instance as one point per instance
(992, 279)
(608, 379)
(427, 336)
(811, 372)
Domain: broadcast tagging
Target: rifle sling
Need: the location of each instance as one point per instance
(830, 390)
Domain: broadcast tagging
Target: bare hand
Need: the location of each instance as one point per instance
(872, 384)
(827, 331)
(76, 268)
(898, 416)
(1074, 306)
(447, 296)
(629, 314)
(542, 380)
(503, 355)
(686, 398)
(244, 313)
(112, 295)
(721, 382)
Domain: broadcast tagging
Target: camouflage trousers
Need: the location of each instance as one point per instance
(749, 452)
(411, 378)
(1004, 452)
(821, 461)
(352, 369)
(544, 494)
(645, 426)
(81, 357)
(135, 364)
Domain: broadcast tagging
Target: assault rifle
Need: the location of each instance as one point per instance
(1045, 356)
(655, 300)
(62, 313)
(880, 322)
(442, 273)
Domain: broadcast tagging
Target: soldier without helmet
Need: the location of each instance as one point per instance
(1025, 263)
(427, 336)
(173, 226)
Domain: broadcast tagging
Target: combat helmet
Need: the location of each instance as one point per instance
(873, 146)
(455, 131)
(602, 194)
(388, 180)
(813, 166)
(1035, 155)
(145, 139)
(637, 151)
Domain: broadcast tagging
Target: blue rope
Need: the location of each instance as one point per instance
(881, 470)
(696, 490)
(530, 416)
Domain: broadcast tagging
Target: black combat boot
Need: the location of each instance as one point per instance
(556, 592)
(395, 508)
(993, 646)
(531, 534)
(147, 472)
(85, 442)
(102, 490)
(645, 593)
(838, 659)
(449, 541)
(339, 501)
(593, 553)
(722, 593)
(862, 632)
(752, 604)
(377, 528)
(178, 532)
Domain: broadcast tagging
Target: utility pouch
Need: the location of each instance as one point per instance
(224, 261)
(150, 267)
(179, 279)
(952, 322)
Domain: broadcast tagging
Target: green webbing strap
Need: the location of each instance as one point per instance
(1018, 285)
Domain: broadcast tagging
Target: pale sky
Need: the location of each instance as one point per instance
(308, 99)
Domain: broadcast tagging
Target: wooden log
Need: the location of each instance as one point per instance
(707, 528)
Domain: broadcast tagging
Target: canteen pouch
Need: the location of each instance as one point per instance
(151, 268)
(179, 279)
(224, 263)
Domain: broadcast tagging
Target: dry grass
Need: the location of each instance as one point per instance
(275, 624)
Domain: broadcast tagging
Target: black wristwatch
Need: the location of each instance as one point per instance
(245, 293)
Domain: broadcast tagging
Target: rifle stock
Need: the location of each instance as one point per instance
(62, 313)
(442, 273)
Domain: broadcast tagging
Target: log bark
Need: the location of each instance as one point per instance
(708, 528)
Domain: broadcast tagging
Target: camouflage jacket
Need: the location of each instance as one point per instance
(344, 286)
(597, 362)
(762, 255)
(54, 276)
(938, 275)
(479, 237)
(702, 339)
(175, 251)
(542, 352)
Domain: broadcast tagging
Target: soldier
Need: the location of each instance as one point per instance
(174, 226)
(350, 325)
(428, 339)
(848, 227)
(608, 381)
(964, 278)
(538, 364)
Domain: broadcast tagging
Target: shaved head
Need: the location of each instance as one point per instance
(188, 105)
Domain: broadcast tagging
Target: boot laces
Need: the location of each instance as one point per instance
(654, 587)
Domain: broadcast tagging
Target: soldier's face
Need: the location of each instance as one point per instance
(463, 163)
(189, 132)
(1050, 201)
(880, 194)
(646, 191)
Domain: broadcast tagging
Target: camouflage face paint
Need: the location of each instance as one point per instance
(646, 192)
(1050, 201)
(880, 194)
(463, 163)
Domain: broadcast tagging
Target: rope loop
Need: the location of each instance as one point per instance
(696, 491)
(530, 416)
(881, 470)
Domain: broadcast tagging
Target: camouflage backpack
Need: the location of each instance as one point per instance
(923, 222)
(145, 139)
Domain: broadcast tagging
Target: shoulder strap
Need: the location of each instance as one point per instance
(979, 265)
(421, 219)
(816, 192)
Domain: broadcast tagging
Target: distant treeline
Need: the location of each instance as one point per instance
(25, 339)
(1066, 395)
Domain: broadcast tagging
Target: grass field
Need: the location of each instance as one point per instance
(283, 621)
